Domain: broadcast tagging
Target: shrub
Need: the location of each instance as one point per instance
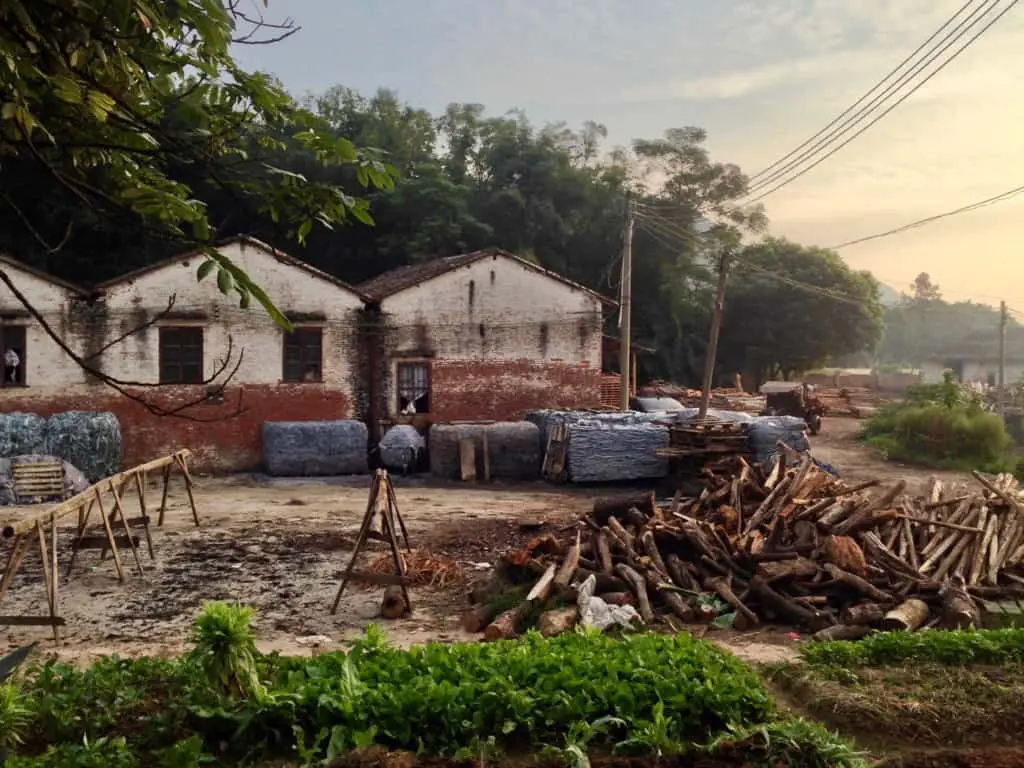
(956, 437)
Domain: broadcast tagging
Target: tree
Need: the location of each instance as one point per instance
(923, 289)
(103, 100)
(119, 111)
(790, 308)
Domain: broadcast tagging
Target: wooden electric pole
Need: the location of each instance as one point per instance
(626, 309)
(716, 327)
(1002, 359)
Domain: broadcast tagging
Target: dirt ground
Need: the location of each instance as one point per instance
(280, 545)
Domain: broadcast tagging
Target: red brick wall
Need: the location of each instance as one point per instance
(498, 390)
(230, 443)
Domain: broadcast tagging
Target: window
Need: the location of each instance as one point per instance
(181, 355)
(12, 343)
(413, 387)
(303, 355)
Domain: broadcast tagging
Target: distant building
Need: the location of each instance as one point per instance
(484, 335)
(976, 359)
(480, 336)
(308, 374)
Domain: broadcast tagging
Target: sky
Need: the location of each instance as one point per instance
(760, 76)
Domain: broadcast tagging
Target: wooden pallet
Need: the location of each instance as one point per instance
(38, 480)
(556, 454)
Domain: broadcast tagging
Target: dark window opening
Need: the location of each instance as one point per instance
(12, 342)
(181, 355)
(304, 355)
(413, 387)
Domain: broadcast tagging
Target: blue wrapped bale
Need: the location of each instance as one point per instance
(766, 432)
(602, 452)
(22, 434)
(314, 448)
(513, 449)
(401, 448)
(89, 440)
(546, 420)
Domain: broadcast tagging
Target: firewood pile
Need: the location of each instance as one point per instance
(858, 402)
(722, 399)
(793, 545)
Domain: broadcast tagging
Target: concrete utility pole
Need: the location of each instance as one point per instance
(1002, 359)
(626, 308)
(716, 327)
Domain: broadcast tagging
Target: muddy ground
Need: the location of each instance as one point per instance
(280, 545)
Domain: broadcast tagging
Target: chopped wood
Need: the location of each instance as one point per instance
(842, 632)
(906, 616)
(789, 542)
(557, 621)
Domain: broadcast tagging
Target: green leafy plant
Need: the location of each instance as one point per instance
(996, 646)
(795, 743)
(14, 718)
(574, 751)
(224, 645)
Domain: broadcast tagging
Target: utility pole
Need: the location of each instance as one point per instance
(626, 308)
(1002, 359)
(716, 327)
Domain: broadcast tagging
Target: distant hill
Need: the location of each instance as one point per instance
(888, 296)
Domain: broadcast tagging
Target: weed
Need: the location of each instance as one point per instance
(224, 644)
(797, 743)
(992, 646)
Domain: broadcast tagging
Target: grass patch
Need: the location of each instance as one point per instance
(920, 704)
(957, 437)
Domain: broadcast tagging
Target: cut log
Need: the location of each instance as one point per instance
(787, 607)
(863, 586)
(569, 565)
(721, 588)
(844, 552)
(798, 568)
(959, 611)
(625, 537)
(504, 626)
(841, 632)
(557, 621)
(650, 548)
(639, 587)
(542, 588)
(393, 605)
(618, 507)
(680, 574)
(476, 619)
(603, 552)
(863, 614)
(906, 616)
(605, 582)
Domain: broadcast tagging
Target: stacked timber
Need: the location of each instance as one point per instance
(796, 545)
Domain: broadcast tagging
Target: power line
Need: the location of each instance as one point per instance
(928, 220)
(890, 108)
(859, 101)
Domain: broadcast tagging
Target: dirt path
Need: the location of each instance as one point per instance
(837, 445)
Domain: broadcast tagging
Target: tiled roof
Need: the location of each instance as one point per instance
(397, 280)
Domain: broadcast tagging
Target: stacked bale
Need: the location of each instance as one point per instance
(89, 440)
(765, 432)
(401, 448)
(513, 449)
(314, 448)
(21, 434)
(601, 452)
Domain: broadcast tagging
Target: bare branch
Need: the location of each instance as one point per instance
(137, 329)
(35, 233)
(258, 23)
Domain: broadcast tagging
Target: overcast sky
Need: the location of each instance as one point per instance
(760, 75)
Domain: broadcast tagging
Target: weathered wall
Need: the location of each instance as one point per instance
(501, 339)
(63, 310)
(224, 435)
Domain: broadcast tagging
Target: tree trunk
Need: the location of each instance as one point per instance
(842, 632)
(864, 614)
